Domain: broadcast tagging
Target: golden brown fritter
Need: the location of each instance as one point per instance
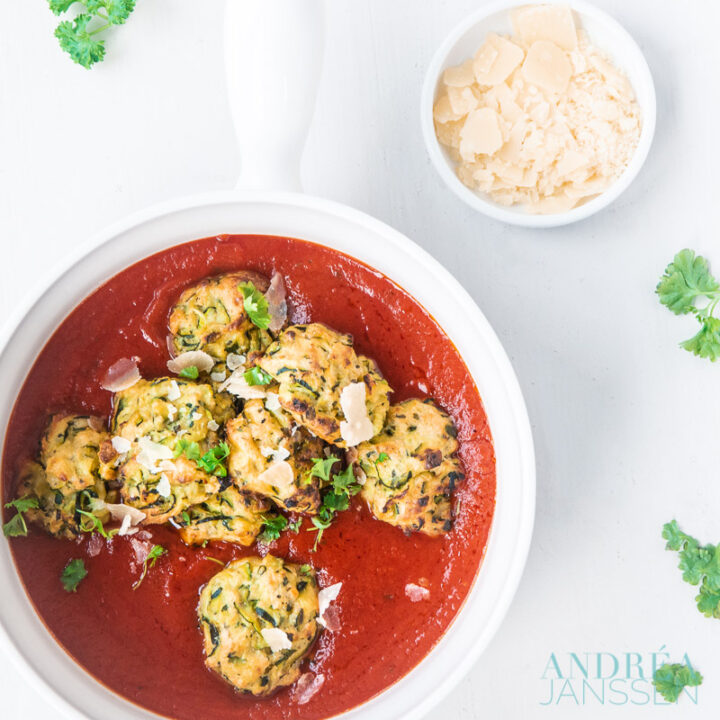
(210, 316)
(259, 436)
(69, 452)
(251, 596)
(312, 364)
(174, 413)
(58, 510)
(229, 516)
(411, 468)
(147, 410)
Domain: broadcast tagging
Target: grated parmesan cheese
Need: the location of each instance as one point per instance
(541, 119)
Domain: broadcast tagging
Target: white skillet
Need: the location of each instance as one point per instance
(277, 44)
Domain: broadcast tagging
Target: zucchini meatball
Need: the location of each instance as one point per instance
(211, 317)
(70, 452)
(229, 516)
(170, 424)
(59, 513)
(259, 619)
(260, 438)
(411, 469)
(312, 365)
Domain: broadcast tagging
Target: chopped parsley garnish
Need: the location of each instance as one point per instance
(78, 37)
(190, 372)
(700, 565)
(16, 526)
(322, 467)
(686, 281)
(335, 499)
(211, 462)
(95, 525)
(73, 574)
(257, 376)
(156, 551)
(274, 525)
(256, 306)
(670, 680)
(186, 517)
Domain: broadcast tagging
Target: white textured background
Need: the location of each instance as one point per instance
(626, 425)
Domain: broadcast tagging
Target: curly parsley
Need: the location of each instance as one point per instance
(670, 680)
(700, 565)
(79, 37)
(687, 281)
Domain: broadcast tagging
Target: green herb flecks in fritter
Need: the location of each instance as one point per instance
(411, 469)
(312, 365)
(259, 619)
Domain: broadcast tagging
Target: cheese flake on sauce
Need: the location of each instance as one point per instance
(121, 375)
(326, 597)
(356, 427)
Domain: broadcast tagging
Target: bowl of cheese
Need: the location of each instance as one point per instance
(538, 114)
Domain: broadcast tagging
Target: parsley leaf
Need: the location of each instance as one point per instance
(336, 498)
(322, 466)
(700, 565)
(670, 679)
(255, 304)
(73, 574)
(687, 279)
(191, 450)
(16, 526)
(274, 525)
(190, 371)
(257, 376)
(78, 42)
(156, 551)
(212, 461)
(77, 37)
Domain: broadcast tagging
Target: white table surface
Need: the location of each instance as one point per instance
(625, 423)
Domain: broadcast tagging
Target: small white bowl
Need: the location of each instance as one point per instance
(606, 34)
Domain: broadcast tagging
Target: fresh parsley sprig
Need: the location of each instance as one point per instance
(255, 304)
(73, 573)
(336, 498)
(211, 462)
(16, 526)
(700, 565)
(687, 281)
(257, 376)
(670, 680)
(274, 525)
(79, 37)
(156, 551)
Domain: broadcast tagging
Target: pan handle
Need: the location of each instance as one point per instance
(273, 58)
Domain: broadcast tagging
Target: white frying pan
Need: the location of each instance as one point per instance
(277, 45)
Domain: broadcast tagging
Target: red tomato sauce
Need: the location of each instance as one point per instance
(145, 644)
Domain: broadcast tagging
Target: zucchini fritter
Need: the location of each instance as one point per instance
(146, 410)
(312, 364)
(247, 597)
(210, 316)
(254, 436)
(411, 469)
(229, 516)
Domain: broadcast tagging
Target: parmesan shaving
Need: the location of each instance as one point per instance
(163, 487)
(121, 375)
(234, 361)
(212, 425)
(276, 639)
(277, 305)
(279, 474)
(128, 516)
(174, 392)
(356, 427)
(416, 593)
(307, 686)
(197, 358)
(120, 444)
(151, 453)
(238, 386)
(273, 402)
(326, 597)
(218, 376)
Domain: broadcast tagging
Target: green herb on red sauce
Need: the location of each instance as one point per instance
(16, 526)
(73, 574)
(156, 551)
